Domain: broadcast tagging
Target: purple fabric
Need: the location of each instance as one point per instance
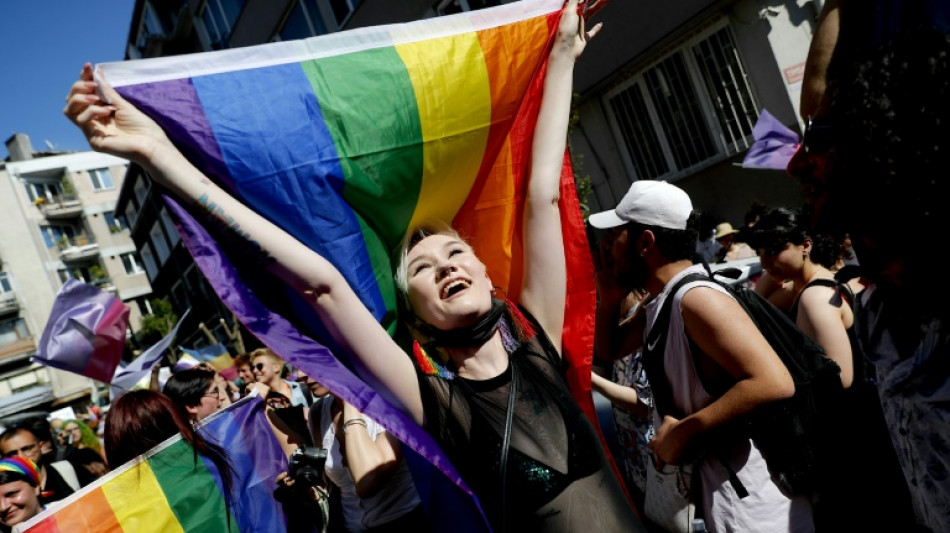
(315, 360)
(126, 378)
(85, 333)
(175, 105)
(257, 458)
(774, 144)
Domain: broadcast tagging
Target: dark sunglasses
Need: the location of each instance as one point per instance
(819, 136)
(259, 367)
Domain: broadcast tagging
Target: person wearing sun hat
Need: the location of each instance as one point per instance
(19, 491)
(732, 249)
(650, 249)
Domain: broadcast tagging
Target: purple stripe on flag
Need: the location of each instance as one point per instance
(317, 362)
(256, 456)
(175, 105)
(85, 333)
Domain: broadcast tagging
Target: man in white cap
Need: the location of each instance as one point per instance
(651, 245)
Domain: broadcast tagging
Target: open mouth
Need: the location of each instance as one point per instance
(454, 287)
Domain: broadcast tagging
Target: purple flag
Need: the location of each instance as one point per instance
(126, 378)
(774, 144)
(85, 332)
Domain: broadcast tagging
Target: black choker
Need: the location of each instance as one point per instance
(468, 336)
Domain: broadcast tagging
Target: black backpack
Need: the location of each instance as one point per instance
(787, 432)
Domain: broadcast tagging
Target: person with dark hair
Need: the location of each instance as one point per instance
(19, 491)
(873, 164)
(823, 308)
(57, 479)
(473, 352)
(242, 363)
(710, 339)
(141, 419)
(196, 391)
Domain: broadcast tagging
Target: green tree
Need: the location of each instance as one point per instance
(582, 181)
(159, 323)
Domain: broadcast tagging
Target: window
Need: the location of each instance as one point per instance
(169, 227)
(448, 7)
(151, 26)
(342, 10)
(56, 235)
(141, 190)
(131, 213)
(115, 224)
(157, 238)
(5, 285)
(101, 179)
(304, 21)
(219, 17)
(151, 268)
(131, 263)
(13, 330)
(45, 189)
(690, 108)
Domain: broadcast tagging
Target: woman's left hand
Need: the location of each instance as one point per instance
(572, 34)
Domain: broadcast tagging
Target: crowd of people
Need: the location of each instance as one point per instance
(495, 396)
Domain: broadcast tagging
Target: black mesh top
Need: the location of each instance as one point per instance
(558, 478)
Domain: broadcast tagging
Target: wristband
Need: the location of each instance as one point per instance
(352, 421)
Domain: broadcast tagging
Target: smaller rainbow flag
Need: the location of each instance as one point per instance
(165, 490)
(216, 355)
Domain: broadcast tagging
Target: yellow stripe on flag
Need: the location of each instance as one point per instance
(452, 91)
(139, 503)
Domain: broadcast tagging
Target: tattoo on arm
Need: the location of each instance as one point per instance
(231, 234)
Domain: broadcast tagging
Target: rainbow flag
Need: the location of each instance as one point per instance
(349, 139)
(165, 490)
(216, 355)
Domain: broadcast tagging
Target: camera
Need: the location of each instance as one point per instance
(305, 465)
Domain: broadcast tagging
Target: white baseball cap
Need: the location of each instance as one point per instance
(648, 202)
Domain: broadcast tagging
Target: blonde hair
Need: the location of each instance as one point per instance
(266, 352)
(412, 238)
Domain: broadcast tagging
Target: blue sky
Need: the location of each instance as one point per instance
(43, 45)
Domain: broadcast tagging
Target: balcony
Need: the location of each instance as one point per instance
(60, 207)
(81, 248)
(8, 304)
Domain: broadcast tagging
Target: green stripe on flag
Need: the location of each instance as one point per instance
(190, 489)
(369, 107)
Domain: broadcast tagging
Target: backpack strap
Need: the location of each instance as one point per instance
(654, 350)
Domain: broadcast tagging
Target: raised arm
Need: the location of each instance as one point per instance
(545, 280)
(120, 129)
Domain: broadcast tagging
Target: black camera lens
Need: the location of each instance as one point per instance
(306, 465)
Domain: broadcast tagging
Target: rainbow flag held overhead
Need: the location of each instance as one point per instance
(348, 140)
(165, 490)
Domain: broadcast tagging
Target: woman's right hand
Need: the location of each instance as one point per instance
(116, 128)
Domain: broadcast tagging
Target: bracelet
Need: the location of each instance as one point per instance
(352, 421)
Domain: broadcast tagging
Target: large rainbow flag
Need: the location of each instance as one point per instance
(349, 139)
(165, 490)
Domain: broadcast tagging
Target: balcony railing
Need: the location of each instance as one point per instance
(64, 206)
(8, 303)
(78, 248)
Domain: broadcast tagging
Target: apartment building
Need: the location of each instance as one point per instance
(59, 223)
